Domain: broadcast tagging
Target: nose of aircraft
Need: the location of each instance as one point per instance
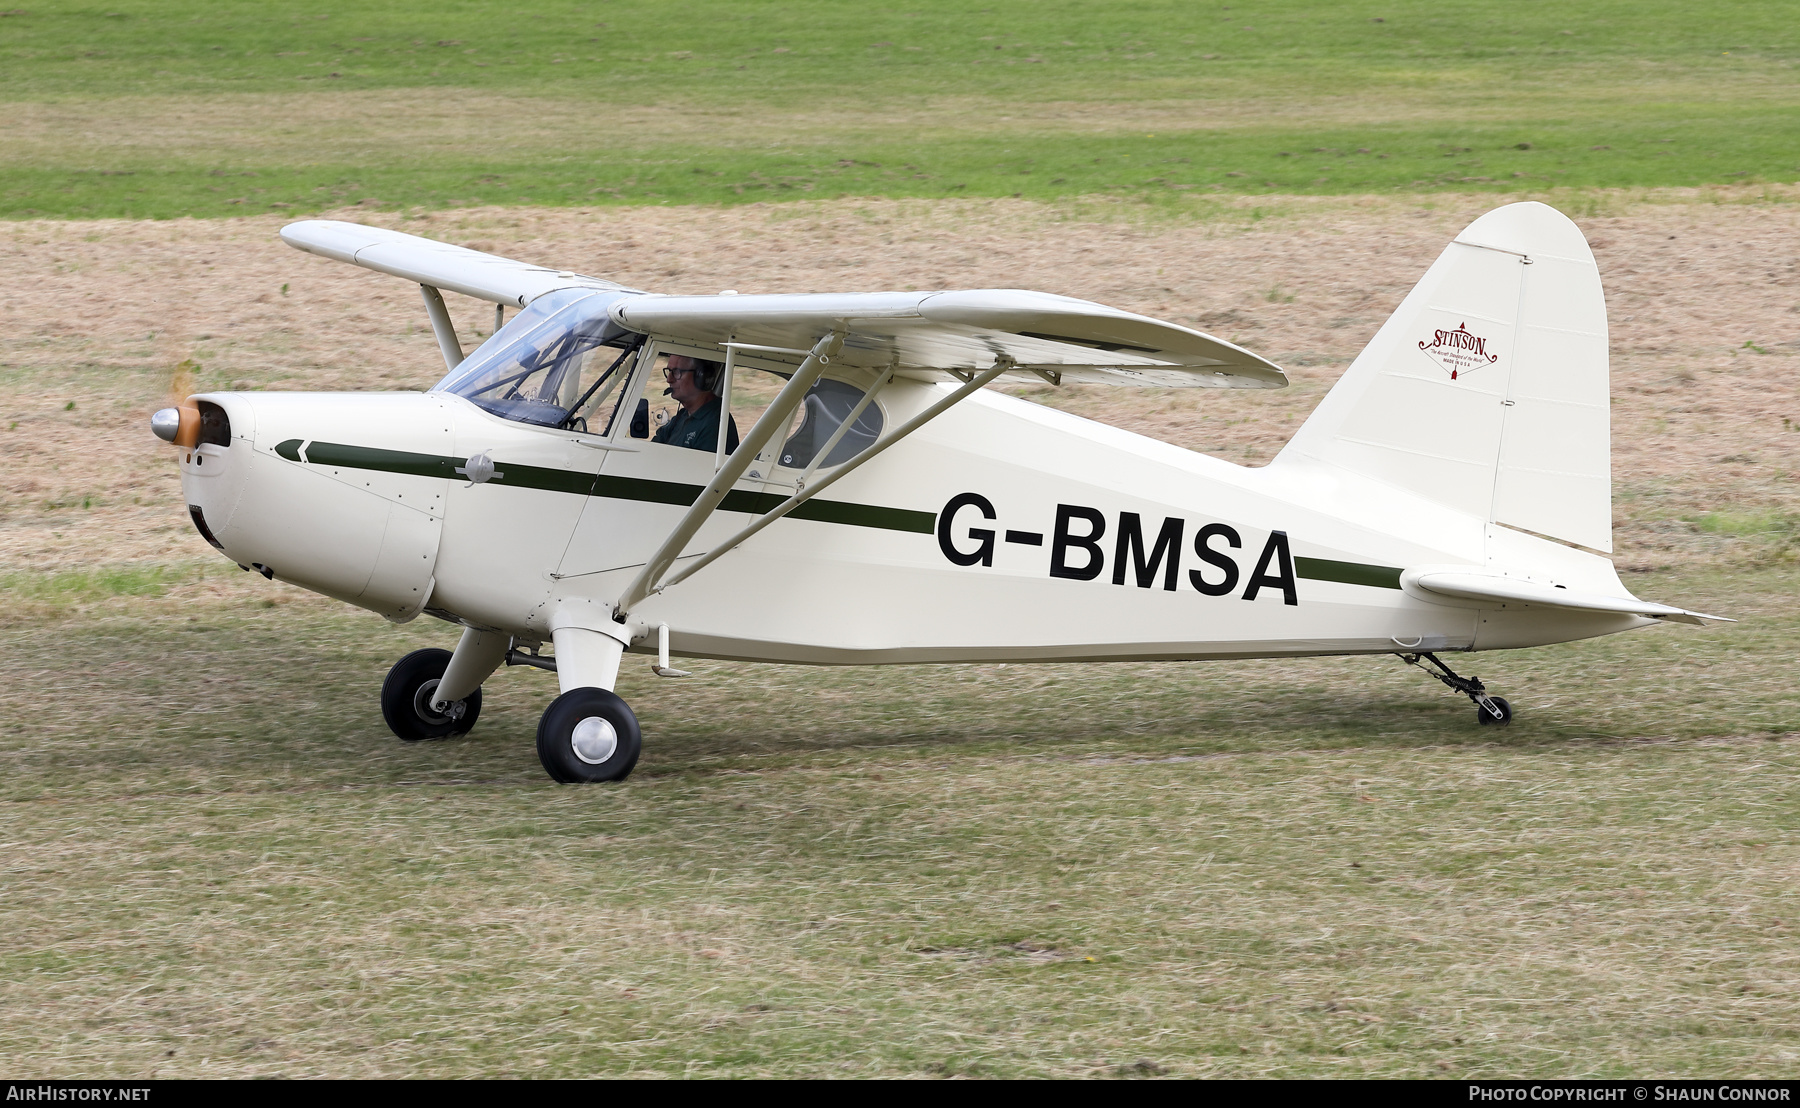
(259, 490)
(212, 472)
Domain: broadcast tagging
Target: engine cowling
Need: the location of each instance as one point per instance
(269, 483)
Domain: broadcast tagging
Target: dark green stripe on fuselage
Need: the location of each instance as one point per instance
(1348, 573)
(385, 461)
(613, 488)
(750, 503)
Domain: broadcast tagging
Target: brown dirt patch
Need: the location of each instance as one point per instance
(98, 313)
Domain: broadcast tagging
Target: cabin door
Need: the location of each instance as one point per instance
(645, 486)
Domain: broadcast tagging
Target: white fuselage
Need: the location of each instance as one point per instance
(1102, 544)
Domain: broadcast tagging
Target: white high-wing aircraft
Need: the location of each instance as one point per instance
(1449, 493)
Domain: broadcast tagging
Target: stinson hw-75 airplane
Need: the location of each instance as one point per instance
(1452, 492)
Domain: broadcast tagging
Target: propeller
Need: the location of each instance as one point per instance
(181, 381)
(180, 423)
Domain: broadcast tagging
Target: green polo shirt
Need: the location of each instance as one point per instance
(698, 430)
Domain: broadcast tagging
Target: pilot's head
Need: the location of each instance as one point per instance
(691, 380)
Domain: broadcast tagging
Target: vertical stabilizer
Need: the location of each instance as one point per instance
(1487, 390)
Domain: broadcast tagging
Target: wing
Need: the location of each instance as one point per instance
(438, 264)
(929, 333)
(1511, 590)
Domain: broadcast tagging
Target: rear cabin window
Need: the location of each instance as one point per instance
(824, 410)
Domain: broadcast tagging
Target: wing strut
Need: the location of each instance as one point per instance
(772, 420)
(1001, 365)
(441, 325)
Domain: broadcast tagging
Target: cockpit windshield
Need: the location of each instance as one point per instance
(556, 364)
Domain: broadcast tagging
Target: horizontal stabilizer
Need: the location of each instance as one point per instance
(1055, 337)
(1512, 590)
(429, 262)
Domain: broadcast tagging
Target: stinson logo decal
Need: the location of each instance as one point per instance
(1459, 351)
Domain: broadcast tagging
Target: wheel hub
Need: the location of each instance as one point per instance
(594, 740)
(422, 703)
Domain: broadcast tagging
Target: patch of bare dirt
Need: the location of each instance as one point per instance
(1704, 301)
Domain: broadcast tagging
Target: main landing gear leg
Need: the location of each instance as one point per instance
(588, 733)
(478, 654)
(1490, 710)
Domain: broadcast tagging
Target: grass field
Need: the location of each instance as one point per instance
(168, 109)
(219, 863)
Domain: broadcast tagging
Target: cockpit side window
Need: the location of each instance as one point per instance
(555, 365)
(827, 404)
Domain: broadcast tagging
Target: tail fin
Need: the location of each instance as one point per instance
(1487, 390)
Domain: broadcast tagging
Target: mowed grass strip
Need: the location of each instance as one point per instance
(163, 110)
(1176, 172)
(220, 863)
(793, 51)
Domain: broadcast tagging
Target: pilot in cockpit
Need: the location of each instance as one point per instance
(696, 425)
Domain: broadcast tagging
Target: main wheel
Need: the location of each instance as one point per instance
(1487, 717)
(407, 693)
(588, 735)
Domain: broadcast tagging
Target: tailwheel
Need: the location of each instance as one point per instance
(588, 735)
(407, 694)
(1490, 711)
(1493, 711)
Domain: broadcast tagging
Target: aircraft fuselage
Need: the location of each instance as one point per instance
(1002, 531)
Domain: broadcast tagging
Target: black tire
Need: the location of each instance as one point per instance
(406, 699)
(1487, 717)
(588, 735)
